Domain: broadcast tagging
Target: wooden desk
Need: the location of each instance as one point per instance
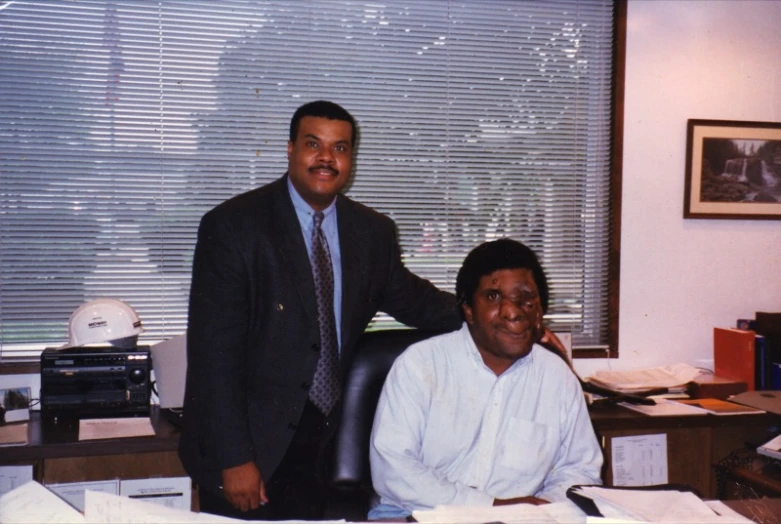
(749, 475)
(57, 456)
(762, 511)
(695, 444)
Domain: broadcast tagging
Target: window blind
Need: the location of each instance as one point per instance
(122, 122)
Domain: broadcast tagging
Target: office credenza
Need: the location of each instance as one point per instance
(57, 456)
(695, 444)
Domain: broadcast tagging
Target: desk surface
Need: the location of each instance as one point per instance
(763, 511)
(612, 417)
(60, 441)
(48, 440)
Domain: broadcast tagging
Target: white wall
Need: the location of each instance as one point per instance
(680, 278)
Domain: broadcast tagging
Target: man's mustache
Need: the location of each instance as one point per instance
(324, 167)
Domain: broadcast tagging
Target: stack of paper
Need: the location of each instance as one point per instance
(32, 503)
(771, 448)
(668, 506)
(673, 377)
(468, 514)
(556, 513)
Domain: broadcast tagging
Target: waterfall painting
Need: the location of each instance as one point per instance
(733, 170)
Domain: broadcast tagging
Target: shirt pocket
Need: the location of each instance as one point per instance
(529, 447)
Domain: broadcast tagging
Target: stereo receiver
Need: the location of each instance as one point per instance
(95, 381)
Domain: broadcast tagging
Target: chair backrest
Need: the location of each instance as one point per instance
(375, 355)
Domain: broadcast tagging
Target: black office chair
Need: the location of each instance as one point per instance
(351, 482)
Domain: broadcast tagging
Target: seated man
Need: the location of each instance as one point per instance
(484, 415)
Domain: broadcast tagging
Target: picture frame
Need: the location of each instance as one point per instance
(14, 405)
(733, 170)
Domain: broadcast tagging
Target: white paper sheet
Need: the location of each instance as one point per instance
(639, 460)
(14, 476)
(511, 514)
(102, 508)
(173, 492)
(105, 508)
(73, 492)
(565, 512)
(100, 428)
(34, 504)
(666, 506)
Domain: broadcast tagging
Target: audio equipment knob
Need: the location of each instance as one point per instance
(137, 376)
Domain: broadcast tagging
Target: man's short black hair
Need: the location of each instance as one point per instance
(488, 257)
(322, 109)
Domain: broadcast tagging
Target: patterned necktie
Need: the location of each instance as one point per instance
(325, 388)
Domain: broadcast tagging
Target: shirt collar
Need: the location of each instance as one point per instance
(477, 358)
(302, 207)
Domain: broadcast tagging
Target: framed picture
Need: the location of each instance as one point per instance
(733, 170)
(14, 405)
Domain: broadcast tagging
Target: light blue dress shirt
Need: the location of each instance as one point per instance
(330, 227)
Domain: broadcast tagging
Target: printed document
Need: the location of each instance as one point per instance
(34, 504)
(556, 513)
(639, 460)
(99, 428)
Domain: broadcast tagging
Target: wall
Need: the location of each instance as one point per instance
(680, 278)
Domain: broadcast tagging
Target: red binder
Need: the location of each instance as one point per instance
(733, 355)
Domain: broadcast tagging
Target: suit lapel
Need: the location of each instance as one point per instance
(353, 240)
(292, 246)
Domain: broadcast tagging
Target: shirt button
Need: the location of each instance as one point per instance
(292, 426)
(315, 347)
(305, 386)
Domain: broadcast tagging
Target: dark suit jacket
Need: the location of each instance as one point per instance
(252, 339)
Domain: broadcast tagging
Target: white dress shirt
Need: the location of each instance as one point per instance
(449, 431)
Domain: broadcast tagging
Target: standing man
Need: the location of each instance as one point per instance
(286, 277)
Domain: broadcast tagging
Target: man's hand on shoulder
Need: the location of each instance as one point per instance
(243, 486)
(520, 500)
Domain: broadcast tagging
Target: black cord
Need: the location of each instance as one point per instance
(616, 396)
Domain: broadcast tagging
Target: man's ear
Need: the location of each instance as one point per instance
(467, 314)
(289, 148)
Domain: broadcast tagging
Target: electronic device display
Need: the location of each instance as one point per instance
(95, 381)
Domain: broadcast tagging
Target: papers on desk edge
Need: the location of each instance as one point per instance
(771, 448)
(665, 408)
(689, 407)
(672, 377)
(33, 503)
(664, 503)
